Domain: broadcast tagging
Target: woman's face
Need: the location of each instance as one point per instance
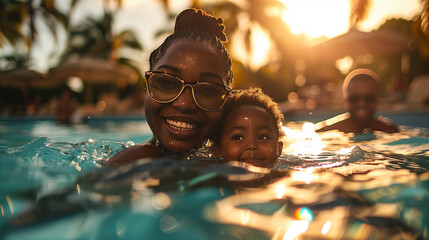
(181, 125)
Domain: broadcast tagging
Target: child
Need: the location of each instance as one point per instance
(251, 128)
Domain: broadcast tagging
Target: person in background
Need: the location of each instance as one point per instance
(66, 107)
(251, 129)
(360, 91)
(188, 82)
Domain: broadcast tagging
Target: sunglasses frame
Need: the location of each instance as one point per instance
(149, 74)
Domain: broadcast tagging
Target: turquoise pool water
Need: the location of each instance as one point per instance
(327, 186)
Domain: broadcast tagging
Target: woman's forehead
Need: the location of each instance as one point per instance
(192, 56)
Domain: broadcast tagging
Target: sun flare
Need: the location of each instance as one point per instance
(317, 18)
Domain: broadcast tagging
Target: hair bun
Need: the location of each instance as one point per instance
(191, 19)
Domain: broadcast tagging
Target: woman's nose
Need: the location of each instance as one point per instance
(185, 101)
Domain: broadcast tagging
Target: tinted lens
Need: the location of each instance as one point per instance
(163, 87)
(210, 96)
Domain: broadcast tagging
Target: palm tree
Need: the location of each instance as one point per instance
(95, 38)
(12, 17)
(15, 14)
(277, 76)
(425, 17)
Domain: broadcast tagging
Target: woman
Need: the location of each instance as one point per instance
(189, 81)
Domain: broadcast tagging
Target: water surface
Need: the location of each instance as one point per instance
(327, 186)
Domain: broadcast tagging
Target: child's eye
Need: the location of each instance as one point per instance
(263, 137)
(237, 137)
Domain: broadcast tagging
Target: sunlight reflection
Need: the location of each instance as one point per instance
(326, 227)
(280, 190)
(345, 153)
(161, 201)
(168, 224)
(306, 142)
(245, 216)
(360, 230)
(306, 176)
(9, 202)
(296, 228)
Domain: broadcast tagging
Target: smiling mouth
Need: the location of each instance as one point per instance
(179, 125)
(362, 111)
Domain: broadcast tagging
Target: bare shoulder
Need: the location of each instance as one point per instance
(134, 153)
(385, 125)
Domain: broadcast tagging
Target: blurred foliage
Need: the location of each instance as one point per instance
(278, 75)
(276, 78)
(94, 37)
(424, 18)
(14, 14)
(13, 61)
(359, 10)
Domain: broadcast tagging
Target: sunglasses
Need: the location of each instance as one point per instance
(367, 98)
(165, 88)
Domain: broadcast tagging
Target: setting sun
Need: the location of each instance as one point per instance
(317, 18)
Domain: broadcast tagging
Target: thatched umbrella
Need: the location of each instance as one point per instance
(353, 43)
(24, 77)
(94, 71)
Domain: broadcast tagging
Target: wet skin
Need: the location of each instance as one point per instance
(361, 101)
(250, 135)
(181, 125)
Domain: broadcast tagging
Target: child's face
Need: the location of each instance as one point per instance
(250, 134)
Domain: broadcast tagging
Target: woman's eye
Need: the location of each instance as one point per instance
(237, 137)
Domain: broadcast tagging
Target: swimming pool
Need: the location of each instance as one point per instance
(327, 186)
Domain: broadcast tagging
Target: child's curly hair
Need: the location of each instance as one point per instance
(256, 97)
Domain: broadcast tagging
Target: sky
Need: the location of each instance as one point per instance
(147, 16)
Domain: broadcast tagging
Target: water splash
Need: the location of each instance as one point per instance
(46, 163)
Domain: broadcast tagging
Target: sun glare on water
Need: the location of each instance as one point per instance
(317, 18)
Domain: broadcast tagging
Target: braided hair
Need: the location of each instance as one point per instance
(197, 24)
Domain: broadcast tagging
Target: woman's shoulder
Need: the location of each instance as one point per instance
(134, 153)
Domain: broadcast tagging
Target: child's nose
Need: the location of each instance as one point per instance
(251, 145)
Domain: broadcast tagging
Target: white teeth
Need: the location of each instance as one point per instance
(181, 125)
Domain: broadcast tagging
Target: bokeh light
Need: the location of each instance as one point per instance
(304, 213)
